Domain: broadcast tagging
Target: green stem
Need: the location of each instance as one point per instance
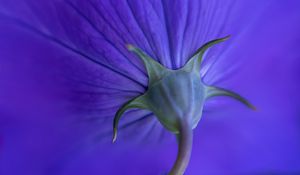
(184, 149)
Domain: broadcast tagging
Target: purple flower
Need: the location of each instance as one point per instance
(65, 71)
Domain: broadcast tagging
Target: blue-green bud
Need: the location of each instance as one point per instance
(176, 97)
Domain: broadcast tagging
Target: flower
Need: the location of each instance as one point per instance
(66, 71)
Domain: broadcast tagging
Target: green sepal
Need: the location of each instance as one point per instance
(193, 65)
(216, 91)
(137, 102)
(154, 69)
(176, 97)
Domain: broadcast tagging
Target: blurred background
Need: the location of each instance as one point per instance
(43, 130)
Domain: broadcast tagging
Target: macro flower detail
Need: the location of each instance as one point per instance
(176, 97)
(75, 73)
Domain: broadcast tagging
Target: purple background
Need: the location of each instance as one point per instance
(50, 125)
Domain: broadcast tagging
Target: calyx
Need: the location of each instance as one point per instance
(176, 97)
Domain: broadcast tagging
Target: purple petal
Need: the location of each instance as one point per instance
(65, 71)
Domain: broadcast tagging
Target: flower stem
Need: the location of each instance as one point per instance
(185, 142)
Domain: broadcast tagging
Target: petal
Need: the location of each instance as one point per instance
(71, 58)
(238, 141)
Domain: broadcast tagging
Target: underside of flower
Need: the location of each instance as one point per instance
(176, 97)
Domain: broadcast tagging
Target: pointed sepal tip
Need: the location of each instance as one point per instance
(194, 64)
(137, 102)
(216, 91)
